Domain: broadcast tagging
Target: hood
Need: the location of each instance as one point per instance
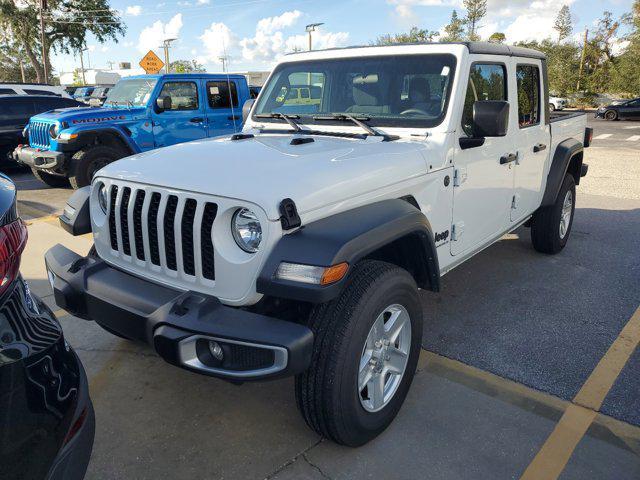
(76, 116)
(267, 169)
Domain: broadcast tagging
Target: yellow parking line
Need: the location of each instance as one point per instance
(552, 458)
(46, 218)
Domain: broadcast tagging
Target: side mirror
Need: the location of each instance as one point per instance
(163, 103)
(246, 109)
(490, 118)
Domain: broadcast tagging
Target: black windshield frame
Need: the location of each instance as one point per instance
(408, 61)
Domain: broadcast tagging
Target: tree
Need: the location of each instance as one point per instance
(476, 11)
(497, 37)
(626, 70)
(454, 30)
(563, 24)
(187, 66)
(67, 23)
(415, 35)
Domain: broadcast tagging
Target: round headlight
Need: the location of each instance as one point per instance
(246, 229)
(54, 130)
(102, 197)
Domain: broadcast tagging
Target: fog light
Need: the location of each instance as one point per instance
(216, 350)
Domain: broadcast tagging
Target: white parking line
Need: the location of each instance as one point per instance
(603, 136)
(633, 138)
(633, 127)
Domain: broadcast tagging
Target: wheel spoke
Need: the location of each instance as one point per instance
(377, 331)
(397, 361)
(395, 324)
(365, 372)
(375, 388)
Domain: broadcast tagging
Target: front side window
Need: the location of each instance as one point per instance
(183, 95)
(393, 91)
(528, 77)
(487, 81)
(219, 96)
(135, 92)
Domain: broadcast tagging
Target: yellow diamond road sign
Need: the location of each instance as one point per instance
(151, 63)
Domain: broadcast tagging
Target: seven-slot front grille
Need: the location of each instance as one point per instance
(163, 229)
(39, 134)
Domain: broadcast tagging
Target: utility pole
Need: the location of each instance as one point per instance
(312, 28)
(582, 58)
(84, 80)
(166, 44)
(111, 63)
(45, 67)
(224, 60)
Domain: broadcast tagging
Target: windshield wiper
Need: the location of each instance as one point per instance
(290, 119)
(359, 121)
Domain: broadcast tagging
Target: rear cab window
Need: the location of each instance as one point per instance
(487, 81)
(219, 95)
(528, 80)
(7, 91)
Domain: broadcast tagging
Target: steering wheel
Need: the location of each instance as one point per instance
(414, 111)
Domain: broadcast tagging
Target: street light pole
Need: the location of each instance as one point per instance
(84, 80)
(312, 28)
(166, 45)
(223, 59)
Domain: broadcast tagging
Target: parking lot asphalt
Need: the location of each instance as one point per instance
(520, 350)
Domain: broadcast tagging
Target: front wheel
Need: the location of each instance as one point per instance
(55, 181)
(611, 115)
(88, 161)
(551, 226)
(367, 344)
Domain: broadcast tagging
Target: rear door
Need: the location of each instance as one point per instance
(224, 113)
(631, 110)
(185, 120)
(483, 187)
(531, 135)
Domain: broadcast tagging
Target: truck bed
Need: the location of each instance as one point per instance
(565, 125)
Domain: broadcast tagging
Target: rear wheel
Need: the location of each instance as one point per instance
(56, 181)
(88, 161)
(551, 226)
(611, 115)
(366, 348)
(552, 107)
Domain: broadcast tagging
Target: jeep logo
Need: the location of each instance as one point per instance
(440, 237)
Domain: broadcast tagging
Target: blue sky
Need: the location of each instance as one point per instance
(255, 33)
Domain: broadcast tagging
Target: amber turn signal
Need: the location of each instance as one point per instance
(334, 274)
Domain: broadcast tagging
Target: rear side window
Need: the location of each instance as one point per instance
(35, 91)
(184, 95)
(218, 94)
(487, 81)
(7, 91)
(528, 77)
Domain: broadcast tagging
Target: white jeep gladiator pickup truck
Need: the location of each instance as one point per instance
(298, 246)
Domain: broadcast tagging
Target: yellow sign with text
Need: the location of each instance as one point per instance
(151, 63)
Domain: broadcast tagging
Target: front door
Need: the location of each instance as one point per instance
(631, 110)
(184, 119)
(533, 137)
(224, 113)
(483, 186)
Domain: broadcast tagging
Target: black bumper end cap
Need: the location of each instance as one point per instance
(583, 170)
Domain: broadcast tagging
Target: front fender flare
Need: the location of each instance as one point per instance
(349, 236)
(86, 135)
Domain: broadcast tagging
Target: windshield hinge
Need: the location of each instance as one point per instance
(289, 217)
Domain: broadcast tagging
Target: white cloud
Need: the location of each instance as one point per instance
(133, 10)
(203, 2)
(218, 41)
(151, 37)
(271, 24)
(533, 21)
(321, 40)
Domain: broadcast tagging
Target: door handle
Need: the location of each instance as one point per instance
(539, 147)
(512, 157)
(233, 117)
(197, 120)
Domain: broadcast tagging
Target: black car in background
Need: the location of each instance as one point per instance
(15, 112)
(47, 422)
(629, 110)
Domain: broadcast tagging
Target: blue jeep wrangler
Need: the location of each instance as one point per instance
(140, 113)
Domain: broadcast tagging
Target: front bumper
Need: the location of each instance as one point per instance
(37, 158)
(179, 325)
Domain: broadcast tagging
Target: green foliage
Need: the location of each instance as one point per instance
(497, 37)
(187, 66)
(563, 24)
(415, 35)
(476, 11)
(454, 30)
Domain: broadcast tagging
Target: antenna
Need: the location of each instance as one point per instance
(224, 65)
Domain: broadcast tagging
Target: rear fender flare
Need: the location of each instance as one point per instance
(565, 152)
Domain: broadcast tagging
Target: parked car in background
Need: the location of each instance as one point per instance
(15, 112)
(141, 113)
(558, 103)
(70, 90)
(627, 110)
(82, 94)
(47, 423)
(7, 88)
(99, 96)
(254, 91)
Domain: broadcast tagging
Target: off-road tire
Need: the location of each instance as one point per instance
(55, 181)
(552, 107)
(611, 115)
(327, 394)
(545, 224)
(85, 163)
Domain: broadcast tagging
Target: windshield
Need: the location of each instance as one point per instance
(135, 92)
(400, 91)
